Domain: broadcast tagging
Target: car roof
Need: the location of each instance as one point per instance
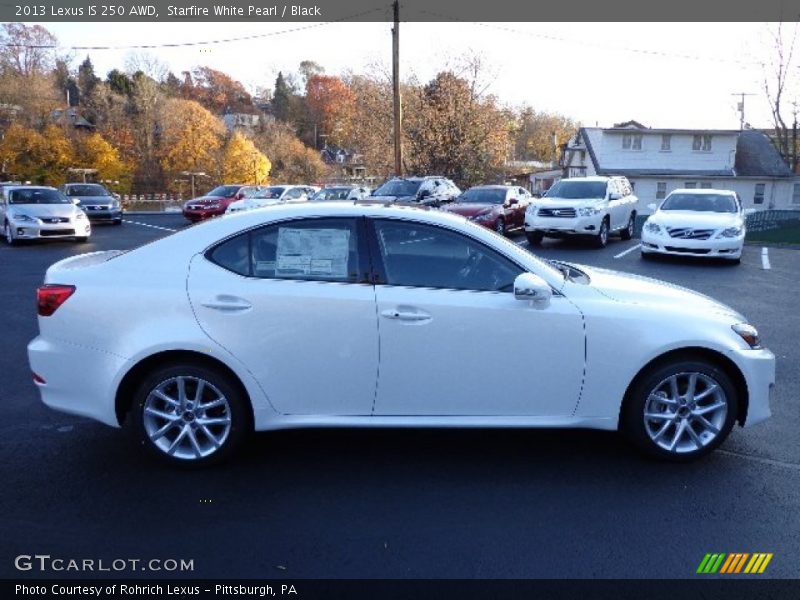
(702, 191)
(493, 187)
(597, 178)
(31, 187)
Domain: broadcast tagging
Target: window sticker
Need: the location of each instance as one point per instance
(312, 252)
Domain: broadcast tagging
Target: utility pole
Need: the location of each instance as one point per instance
(740, 107)
(398, 112)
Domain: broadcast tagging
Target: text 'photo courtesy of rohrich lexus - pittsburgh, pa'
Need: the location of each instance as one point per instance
(357, 314)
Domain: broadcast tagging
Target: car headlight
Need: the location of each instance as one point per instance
(748, 333)
(23, 218)
(115, 204)
(651, 227)
(589, 211)
(731, 232)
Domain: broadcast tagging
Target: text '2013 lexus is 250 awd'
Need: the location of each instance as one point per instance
(369, 315)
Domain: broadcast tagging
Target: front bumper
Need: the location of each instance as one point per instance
(200, 214)
(713, 248)
(24, 230)
(563, 225)
(758, 368)
(102, 214)
(89, 394)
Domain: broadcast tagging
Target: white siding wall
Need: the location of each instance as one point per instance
(608, 146)
(777, 193)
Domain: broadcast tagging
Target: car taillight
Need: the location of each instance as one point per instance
(52, 295)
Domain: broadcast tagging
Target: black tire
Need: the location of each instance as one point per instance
(228, 438)
(647, 255)
(82, 239)
(8, 236)
(684, 431)
(534, 237)
(627, 233)
(500, 227)
(601, 239)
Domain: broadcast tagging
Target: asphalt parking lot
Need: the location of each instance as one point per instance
(400, 503)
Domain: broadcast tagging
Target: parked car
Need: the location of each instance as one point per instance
(274, 194)
(366, 315)
(40, 212)
(341, 192)
(215, 202)
(498, 207)
(588, 206)
(696, 222)
(95, 200)
(426, 191)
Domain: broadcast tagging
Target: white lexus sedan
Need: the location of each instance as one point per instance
(332, 314)
(696, 222)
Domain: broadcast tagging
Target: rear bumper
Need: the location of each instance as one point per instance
(92, 394)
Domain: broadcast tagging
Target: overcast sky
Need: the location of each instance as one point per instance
(662, 74)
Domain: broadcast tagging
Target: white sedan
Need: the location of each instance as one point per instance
(274, 194)
(696, 222)
(338, 315)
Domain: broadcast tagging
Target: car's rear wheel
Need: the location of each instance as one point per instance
(601, 239)
(627, 233)
(680, 410)
(190, 415)
(534, 237)
(9, 234)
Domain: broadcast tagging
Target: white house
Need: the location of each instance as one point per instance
(657, 161)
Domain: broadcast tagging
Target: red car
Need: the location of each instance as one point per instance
(215, 202)
(498, 207)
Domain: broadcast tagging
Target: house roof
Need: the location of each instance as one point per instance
(756, 156)
(669, 172)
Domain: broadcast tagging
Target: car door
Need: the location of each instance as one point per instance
(289, 302)
(455, 341)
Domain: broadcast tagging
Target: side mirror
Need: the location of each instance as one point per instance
(614, 196)
(653, 206)
(528, 286)
(424, 194)
(76, 200)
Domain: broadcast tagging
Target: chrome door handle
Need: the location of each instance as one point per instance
(228, 304)
(402, 315)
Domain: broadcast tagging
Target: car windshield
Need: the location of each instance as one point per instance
(577, 190)
(37, 196)
(722, 203)
(270, 193)
(398, 187)
(332, 194)
(89, 189)
(224, 191)
(483, 195)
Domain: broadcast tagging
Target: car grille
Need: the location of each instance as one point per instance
(564, 213)
(97, 207)
(686, 233)
(54, 220)
(49, 232)
(687, 250)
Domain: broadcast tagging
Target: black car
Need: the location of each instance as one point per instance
(95, 200)
(426, 191)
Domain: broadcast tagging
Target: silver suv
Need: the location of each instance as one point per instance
(588, 206)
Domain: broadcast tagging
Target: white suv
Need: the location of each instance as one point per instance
(593, 206)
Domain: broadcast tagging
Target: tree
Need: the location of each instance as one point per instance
(534, 134)
(119, 82)
(309, 69)
(27, 50)
(42, 158)
(292, 160)
(281, 98)
(94, 152)
(217, 91)
(330, 105)
(66, 83)
(191, 138)
(87, 80)
(243, 163)
(777, 81)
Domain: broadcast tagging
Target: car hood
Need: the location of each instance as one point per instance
(412, 198)
(206, 200)
(45, 210)
(94, 200)
(635, 289)
(695, 219)
(470, 209)
(554, 201)
(248, 203)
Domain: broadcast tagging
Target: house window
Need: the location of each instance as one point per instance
(632, 141)
(661, 190)
(796, 194)
(758, 198)
(690, 185)
(666, 142)
(701, 143)
(705, 185)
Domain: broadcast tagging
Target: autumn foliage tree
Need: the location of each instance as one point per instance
(92, 151)
(331, 105)
(191, 138)
(242, 162)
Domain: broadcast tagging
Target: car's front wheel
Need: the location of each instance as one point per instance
(8, 233)
(534, 237)
(680, 410)
(190, 415)
(627, 233)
